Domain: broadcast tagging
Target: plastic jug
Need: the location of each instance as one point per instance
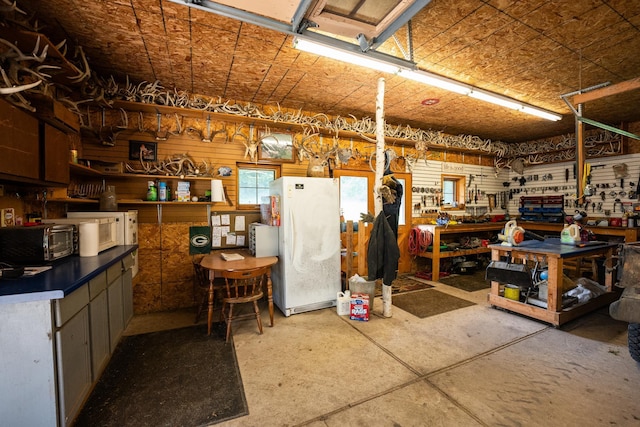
(343, 302)
(570, 234)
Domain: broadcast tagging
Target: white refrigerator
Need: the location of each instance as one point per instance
(307, 275)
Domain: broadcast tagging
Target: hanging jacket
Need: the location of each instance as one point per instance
(392, 210)
(383, 252)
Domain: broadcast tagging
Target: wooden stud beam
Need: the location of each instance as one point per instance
(607, 91)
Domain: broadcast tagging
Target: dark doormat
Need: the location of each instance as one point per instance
(467, 282)
(429, 302)
(403, 283)
(179, 377)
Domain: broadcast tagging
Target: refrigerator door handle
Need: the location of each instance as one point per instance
(292, 239)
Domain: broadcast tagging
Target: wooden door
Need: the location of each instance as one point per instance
(404, 226)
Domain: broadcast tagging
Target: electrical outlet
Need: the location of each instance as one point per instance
(1, 190)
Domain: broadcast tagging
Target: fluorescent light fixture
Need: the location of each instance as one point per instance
(344, 56)
(487, 97)
(541, 113)
(384, 65)
(437, 81)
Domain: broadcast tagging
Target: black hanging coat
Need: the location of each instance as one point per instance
(383, 252)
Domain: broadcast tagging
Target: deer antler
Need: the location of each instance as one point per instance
(301, 146)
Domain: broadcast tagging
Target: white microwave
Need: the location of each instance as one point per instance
(127, 228)
(107, 229)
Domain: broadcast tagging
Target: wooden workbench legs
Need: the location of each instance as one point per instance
(554, 293)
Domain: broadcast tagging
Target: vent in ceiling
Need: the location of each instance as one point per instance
(350, 18)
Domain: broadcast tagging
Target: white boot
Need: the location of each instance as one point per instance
(386, 300)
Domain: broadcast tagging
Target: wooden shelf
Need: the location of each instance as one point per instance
(171, 203)
(438, 231)
(87, 171)
(457, 252)
(161, 177)
(297, 127)
(27, 41)
(72, 200)
(83, 170)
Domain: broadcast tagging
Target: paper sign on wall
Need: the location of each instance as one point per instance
(239, 225)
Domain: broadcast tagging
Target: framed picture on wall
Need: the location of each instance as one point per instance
(277, 147)
(142, 150)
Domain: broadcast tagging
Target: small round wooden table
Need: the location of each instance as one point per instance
(214, 262)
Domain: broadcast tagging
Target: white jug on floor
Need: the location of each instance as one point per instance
(342, 303)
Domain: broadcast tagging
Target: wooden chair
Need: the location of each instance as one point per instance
(242, 287)
(201, 288)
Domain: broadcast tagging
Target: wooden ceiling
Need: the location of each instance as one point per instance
(533, 51)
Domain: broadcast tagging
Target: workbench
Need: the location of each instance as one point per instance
(482, 230)
(624, 234)
(555, 254)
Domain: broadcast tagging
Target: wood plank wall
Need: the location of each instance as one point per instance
(165, 281)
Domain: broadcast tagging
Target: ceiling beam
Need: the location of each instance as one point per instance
(607, 91)
(394, 26)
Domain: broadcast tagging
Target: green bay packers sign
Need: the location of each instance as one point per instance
(199, 239)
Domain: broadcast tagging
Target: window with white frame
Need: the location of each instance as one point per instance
(453, 187)
(253, 184)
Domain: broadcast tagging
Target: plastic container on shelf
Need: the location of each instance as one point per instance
(152, 192)
(162, 191)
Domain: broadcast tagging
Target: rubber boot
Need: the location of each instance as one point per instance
(386, 300)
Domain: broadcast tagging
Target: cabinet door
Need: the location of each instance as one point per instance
(19, 142)
(100, 341)
(55, 155)
(74, 365)
(116, 316)
(127, 295)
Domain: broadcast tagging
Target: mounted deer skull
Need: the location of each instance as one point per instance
(319, 158)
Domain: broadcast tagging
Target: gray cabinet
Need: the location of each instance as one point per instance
(99, 320)
(127, 287)
(73, 353)
(127, 295)
(116, 311)
(55, 345)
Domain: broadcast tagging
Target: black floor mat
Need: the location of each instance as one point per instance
(428, 302)
(467, 282)
(179, 377)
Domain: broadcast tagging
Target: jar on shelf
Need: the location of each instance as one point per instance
(109, 200)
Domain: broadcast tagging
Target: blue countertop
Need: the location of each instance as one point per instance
(67, 275)
(554, 246)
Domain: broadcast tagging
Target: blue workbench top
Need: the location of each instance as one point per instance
(67, 275)
(554, 246)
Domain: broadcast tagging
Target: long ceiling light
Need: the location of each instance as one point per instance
(384, 64)
(344, 56)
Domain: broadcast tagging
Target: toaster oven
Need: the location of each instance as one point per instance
(36, 244)
(107, 229)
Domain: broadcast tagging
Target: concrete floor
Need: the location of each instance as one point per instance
(475, 366)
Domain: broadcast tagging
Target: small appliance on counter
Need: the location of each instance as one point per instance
(36, 244)
(126, 228)
(105, 233)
